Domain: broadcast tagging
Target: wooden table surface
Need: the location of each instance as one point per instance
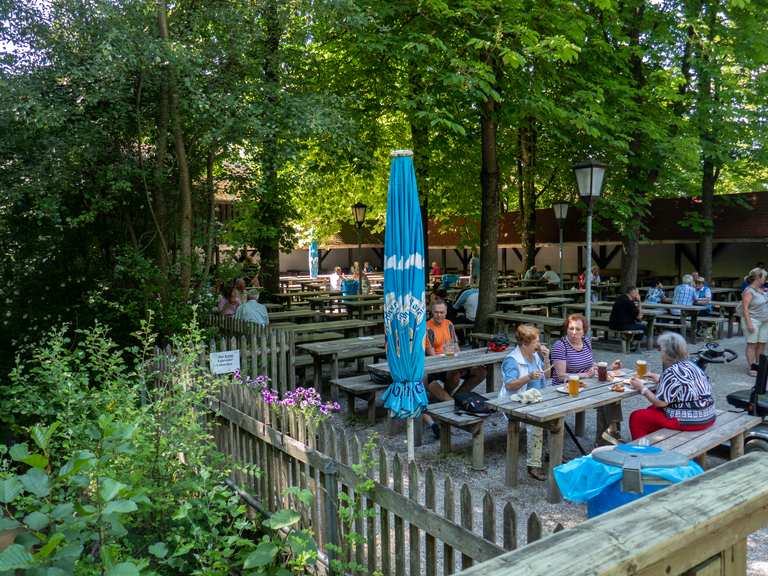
(546, 302)
(331, 351)
(332, 325)
(550, 414)
(467, 358)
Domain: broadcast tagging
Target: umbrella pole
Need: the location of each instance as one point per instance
(409, 434)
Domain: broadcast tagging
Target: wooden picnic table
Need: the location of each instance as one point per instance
(294, 315)
(730, 293)
(335, 350)
(649, 316)
(691, 312)
(361, 306)
(547, 324)
(568, 293)
(730, 309)
(550, 414)
(345, 326)
(546, 303)
(467, 358)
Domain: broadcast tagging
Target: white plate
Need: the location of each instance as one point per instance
(564, 389)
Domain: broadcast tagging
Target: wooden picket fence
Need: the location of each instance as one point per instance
(439, 530)
(262, 353)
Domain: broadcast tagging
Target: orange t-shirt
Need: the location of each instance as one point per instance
(438, 335)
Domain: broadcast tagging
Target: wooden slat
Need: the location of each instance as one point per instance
(397, 477)
(386, 548)
(430, 501)
(449, 511)
(509, 525)
(466, 520)
(414, 539)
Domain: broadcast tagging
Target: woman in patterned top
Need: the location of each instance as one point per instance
(683, 398)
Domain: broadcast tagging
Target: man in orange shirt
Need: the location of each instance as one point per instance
(442, 335)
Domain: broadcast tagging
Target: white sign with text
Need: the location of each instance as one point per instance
(225, 362)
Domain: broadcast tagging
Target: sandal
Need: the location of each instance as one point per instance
(611, 439)
(537, 473)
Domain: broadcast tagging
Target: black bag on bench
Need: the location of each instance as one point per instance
(472, 403)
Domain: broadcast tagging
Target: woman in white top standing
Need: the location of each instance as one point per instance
(754, 317)
(527, 367)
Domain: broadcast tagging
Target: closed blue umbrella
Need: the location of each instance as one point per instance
(313, 259)
(405, 320)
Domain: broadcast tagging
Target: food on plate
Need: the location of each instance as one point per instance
(617, 387)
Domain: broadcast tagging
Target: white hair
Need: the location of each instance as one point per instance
(673, 346)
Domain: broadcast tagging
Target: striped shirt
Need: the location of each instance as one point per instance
(575, 360)
(688, 393)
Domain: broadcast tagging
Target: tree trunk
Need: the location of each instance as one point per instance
(159, 207)
(271, 197)
(630, 258)
(210, 188)
(489, 219)
(526, 170)
(185, 186)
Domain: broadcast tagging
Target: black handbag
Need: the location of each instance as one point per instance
(471, 403)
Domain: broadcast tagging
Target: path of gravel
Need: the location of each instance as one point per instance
(530, 494)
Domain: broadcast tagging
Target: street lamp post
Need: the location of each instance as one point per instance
(561, 213)
(589, 178)
(358, 210)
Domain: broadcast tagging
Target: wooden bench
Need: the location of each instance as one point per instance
(625, 336)
(318, 337)
(730, 425)
(445, 414)
(672, 322)
(358, 387)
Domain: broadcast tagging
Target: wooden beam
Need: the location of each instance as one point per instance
(463, 257)
(444, 260)
(717, 249)
(686, 251)
(518, 254)
(322, 255)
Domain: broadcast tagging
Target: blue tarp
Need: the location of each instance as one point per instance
(404, 296)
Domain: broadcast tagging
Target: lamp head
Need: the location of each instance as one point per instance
(590, 175)
(561, 210)
(358, 210)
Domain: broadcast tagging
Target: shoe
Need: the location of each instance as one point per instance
(752, 373)
(435, 427)
(537, 473)
(611, 439)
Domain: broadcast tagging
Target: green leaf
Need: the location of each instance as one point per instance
(20, 453)
(282, 519)
(120, 507)
(79, 461)
(263, 555)
(63, 511)
(159, 549)
(50, 546)
(124, 569)
(36, 481)
(36, 520)
(109, 488)
(15, 557)
(9, 489)
(42, 435)
(8, 523)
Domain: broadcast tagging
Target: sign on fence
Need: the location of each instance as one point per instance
(225, 362)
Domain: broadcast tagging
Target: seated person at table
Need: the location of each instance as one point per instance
(336, 279)
(241, 290)
(683, 398)
(441, 338)
(440, 294)
(526, 367)
(253, 311)
(550, 275)
(367, 268)
(531, 274)
(656, 294)
(572, 354)
(703, 296)
(436, 271)
(626, 312)
(684, 294)
(467, 301)
(229, 300)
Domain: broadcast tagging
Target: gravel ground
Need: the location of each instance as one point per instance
(530, 496)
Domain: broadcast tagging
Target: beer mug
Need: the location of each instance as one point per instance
(573, 384)
(602, 371)
(450, 348)
(641, 366)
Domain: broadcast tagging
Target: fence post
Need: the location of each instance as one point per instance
(331, 484)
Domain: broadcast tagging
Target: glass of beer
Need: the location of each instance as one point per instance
(573, 384)
(450, 349)
(602, 371)
(641, 366)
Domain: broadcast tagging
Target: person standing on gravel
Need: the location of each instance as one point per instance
(754, 317)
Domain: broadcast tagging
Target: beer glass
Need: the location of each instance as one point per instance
(641, 366)
(573, 384)
(602, 371)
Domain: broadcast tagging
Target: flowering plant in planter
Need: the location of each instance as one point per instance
(306, 401)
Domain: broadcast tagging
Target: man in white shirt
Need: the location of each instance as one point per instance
(550, 275)
(336, 279)
(468, 301)
(252, 311)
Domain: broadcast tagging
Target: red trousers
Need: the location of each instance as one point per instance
(647, 420)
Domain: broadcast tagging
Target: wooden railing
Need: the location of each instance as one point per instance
(696, 528)
(419, 526)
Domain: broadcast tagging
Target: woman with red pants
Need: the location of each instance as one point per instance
(683, 398)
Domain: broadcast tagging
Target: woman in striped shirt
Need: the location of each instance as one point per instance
(683, 398)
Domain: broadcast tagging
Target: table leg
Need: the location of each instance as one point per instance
(445, 437)
(580, 424)
(694, 324)
(731, 314)
(478, 447)
(513, 452)
(372, 408)
(683, 324)
(335, 372)
(737, 446)
(649, 332)
(317, 371)
(493, 373)
(556, 433)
